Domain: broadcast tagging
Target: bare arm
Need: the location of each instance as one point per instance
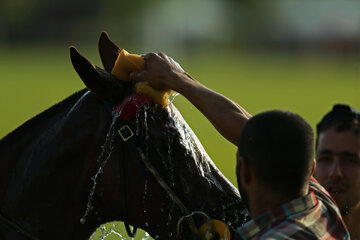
(162, 72)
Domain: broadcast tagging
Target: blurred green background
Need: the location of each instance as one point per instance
(301, 56)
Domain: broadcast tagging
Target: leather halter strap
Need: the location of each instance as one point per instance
(126, 111)
(123, 186)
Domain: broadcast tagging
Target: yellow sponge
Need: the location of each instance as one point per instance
(125, 64)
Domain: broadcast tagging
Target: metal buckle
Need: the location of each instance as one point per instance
(125, 132)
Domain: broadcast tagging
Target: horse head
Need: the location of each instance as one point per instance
(162, 171)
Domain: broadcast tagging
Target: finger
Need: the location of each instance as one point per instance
(163, 55)
(176, 64)
(150, 55)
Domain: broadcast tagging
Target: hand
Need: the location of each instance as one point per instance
(161, 71)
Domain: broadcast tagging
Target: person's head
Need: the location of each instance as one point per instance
(279, 148)
(338, 156)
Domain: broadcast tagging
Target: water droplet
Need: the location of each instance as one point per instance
(146, 224)
(156, 236)
(82, 220)
(170, 234)
(346, 212)
(173, 96)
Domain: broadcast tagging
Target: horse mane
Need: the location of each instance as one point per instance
(65, 104)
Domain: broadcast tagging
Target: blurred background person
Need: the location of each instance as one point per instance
(338, 162)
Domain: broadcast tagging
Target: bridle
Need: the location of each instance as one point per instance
(129, 141)
(129, 138)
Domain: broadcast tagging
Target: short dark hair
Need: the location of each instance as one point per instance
(342, 118)
(279, 146)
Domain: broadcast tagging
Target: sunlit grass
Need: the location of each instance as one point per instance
(32, 80)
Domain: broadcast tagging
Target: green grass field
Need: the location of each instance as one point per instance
(34, 79)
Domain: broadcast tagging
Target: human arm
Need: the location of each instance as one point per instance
(162, 72)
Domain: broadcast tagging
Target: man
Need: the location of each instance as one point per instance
(274, 160)
(338, 162)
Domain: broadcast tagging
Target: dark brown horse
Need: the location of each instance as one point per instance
(70, 169)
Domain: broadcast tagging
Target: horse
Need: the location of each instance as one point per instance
(80, 164)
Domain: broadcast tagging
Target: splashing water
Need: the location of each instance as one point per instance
(193, 146)
(112, 232)
(146, 128)
(190, 142)
(145, 193)
(169, 160)
(187, 139)
(106, 153)
(173, 95)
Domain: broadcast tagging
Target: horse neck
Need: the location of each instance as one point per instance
(31, 130)
(50, 160)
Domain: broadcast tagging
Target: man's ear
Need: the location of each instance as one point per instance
(100, 82)
(108, 50)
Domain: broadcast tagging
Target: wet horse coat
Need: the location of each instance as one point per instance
(50, 163)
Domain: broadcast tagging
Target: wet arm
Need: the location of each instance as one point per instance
(224, 114)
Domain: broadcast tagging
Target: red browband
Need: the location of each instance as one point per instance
(128, 108)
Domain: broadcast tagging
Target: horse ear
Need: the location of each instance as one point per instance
(109, 51)
(98, 81)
